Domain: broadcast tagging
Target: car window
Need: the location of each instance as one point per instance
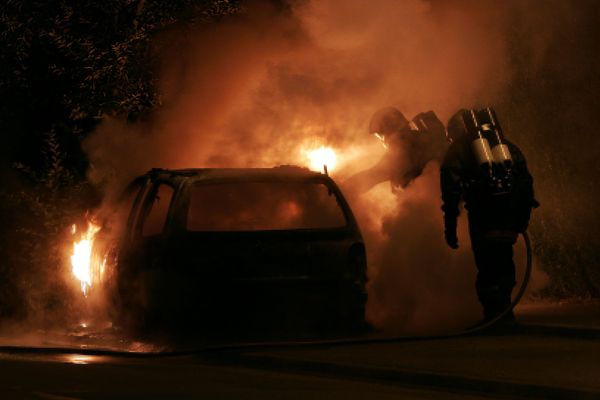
(129, 203)
(254, 206)
(155, 219)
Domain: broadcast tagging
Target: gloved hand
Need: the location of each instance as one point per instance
(451, 238)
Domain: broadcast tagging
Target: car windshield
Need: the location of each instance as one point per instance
(261, 206)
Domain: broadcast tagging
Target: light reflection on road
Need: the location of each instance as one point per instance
(81, 359)
(82, 336)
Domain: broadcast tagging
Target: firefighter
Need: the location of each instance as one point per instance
(410, 146)
(490, 175)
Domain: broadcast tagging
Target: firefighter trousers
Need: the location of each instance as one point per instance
(495, 273)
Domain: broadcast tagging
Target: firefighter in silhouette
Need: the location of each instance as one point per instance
(490, 174)
(410, 146)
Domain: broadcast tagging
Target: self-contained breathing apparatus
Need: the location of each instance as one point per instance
(425, 122)
(410, 144)
(427, 142)
(490, 149)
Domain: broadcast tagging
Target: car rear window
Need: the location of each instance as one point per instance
(257, 206)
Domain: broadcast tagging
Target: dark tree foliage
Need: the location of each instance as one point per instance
(554, 109)
(63, 66)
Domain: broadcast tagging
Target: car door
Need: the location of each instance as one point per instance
(146, 248)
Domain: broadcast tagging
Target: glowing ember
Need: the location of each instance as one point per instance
(320, 157)
(82, 260)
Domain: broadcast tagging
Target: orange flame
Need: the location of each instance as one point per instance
(319, 157)
(85, 266)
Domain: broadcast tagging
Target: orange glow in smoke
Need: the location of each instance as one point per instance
(86, 267)
(319, 157)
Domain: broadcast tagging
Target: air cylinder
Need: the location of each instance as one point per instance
(480, 144)
(500, 152)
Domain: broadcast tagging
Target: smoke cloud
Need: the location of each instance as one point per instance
(252, 90)
(258, 88)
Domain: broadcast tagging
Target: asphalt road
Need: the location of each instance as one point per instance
(179, 378)
(549, 360)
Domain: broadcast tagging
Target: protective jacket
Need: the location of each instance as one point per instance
(489, 213)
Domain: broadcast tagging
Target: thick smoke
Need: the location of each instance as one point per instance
(257, 89)
(251, 91)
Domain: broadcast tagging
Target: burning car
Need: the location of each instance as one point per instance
(224, 247)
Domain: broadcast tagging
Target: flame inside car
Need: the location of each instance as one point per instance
(86, 266)
(320, 157)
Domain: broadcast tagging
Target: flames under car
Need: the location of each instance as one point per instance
(225, 247)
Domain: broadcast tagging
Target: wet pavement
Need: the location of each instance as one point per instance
(553, 353)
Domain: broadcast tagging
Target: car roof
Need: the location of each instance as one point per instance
(280, 172)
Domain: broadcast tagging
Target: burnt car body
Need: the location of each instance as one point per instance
(231, 247)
